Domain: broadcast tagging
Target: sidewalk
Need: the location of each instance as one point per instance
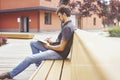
(16, 50)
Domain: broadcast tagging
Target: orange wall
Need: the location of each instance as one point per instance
(88, 22)
(55, 23)
(52, 3)
(9, 20)
(0, 20)
(0, 4)
(5, 4)
(8, 4)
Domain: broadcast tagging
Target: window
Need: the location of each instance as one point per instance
(47, 18)
(47, 0)
(94, 21)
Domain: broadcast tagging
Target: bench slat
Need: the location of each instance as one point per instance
(36, 71)
(43, 71)
(55, 71)
(66, 73)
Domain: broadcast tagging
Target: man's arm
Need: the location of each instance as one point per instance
(59, 47)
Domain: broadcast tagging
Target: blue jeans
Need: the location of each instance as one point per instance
(39, 53)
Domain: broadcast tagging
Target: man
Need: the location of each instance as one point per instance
(50, 50)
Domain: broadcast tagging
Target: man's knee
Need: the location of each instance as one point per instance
(28, 60)
(32, 43)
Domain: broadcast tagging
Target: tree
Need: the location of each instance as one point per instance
(87, 8)
(108, 12)
(64, 2)
(118, 14)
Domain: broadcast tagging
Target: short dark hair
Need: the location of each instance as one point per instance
(64, 9)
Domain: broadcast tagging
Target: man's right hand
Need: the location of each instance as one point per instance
(48, 40)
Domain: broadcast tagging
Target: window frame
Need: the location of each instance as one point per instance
(47, 17)
(94, 21)
(48, 0)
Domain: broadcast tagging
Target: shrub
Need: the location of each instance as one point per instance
(114, 31)
(3, 40)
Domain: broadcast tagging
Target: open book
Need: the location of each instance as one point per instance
(41, 41)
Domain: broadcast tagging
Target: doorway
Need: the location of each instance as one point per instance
(79, 22)
(72, 17)
(24, 24)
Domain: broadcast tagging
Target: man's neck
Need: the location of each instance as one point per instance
(67, 19)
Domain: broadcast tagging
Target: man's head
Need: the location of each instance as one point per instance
(64, 12)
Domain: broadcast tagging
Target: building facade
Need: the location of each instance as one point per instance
(38, 15)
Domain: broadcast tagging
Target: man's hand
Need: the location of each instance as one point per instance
(48, 40)
(46, 45)
(59, 47)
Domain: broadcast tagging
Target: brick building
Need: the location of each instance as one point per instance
(37, 15)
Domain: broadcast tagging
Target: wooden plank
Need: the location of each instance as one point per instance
(79, 59)
(36, 71)
(82, 68)
(43, 71)
(66, 72)
(55, 71)
(18, 35)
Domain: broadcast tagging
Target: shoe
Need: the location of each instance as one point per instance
(5, 75)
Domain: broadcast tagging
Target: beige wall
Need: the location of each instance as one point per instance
(88, 22)
(8, 4)
(52, 3)
(5, 4)
(55, 22)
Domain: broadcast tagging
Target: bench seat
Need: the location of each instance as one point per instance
(18, 35)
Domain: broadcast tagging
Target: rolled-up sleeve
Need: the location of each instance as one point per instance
(66, 33)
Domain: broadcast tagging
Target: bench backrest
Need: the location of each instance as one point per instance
(82, 66)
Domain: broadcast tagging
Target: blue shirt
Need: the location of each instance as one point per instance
(66, 34)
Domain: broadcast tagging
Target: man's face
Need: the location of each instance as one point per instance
(61, 17)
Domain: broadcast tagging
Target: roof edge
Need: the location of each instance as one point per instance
(28, 9)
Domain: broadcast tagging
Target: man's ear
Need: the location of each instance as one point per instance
(64, 14)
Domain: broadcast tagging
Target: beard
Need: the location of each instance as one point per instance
(62, 21)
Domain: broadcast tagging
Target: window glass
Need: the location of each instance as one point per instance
(47, 0)
(47, 18)
(94, 21)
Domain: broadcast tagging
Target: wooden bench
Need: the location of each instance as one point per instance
(53, 70)
(78, 67)
(17, 35)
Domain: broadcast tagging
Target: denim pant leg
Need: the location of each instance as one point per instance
(36, 48)
(48, 54)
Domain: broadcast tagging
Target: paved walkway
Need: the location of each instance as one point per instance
(16, 50)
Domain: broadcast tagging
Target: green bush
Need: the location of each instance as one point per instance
(114, 31)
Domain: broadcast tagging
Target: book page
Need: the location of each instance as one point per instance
(40, 40)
